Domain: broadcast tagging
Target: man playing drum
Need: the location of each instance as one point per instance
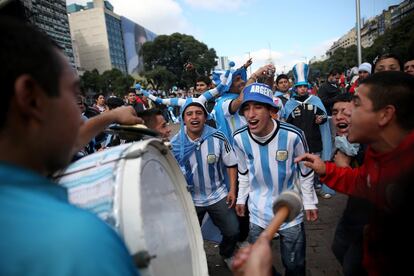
(42, 234)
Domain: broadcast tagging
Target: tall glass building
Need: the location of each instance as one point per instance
(99, 37)
(51, 16)
(104, 40)
(116, 42)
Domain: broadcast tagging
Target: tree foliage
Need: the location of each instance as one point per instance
(110, 82)
(398, 41)
(342, 59)
(91, 80)
(160, 78)
(169, 53)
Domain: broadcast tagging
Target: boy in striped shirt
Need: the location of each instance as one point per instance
(201, 152)
(265, 149)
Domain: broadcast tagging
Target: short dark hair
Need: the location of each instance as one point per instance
(204, 79)
(195, 104)
(96, 96)
(411, 58)
(343, 97)
(393, 88)
(114, 102)
(26, 50)
(16, 9)
(281, 76)
(149, 115)
(387, 56)
(333, 72)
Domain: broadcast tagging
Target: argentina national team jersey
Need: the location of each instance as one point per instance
(227, 122)
(207, 164)
(270, 169)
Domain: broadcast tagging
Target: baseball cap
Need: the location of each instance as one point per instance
(258, 92)
(197, 102)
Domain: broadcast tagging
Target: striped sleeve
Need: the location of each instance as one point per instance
(227, 153)
(241, 160)
(219, 135)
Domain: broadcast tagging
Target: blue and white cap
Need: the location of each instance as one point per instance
(194, 101)
(258, 92)
(300, 73)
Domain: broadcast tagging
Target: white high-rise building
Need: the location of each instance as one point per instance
(222, 63)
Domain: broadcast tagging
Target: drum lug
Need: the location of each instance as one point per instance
(135, 154)
(143, 258)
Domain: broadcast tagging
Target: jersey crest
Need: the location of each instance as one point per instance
(281, 155)
(211, 158)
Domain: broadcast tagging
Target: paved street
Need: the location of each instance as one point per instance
(319, 235)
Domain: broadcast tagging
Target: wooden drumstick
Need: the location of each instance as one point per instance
(279, 218)
(287, 206)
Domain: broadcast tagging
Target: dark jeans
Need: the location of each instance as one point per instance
(347, 247)
(226, 220)
(292, 247)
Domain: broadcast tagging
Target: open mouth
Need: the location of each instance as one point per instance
(342, 125)
(253, 123)
(195, 123)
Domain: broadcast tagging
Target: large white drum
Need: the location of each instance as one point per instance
(140, 191)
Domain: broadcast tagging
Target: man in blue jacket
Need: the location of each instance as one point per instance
(41, 233)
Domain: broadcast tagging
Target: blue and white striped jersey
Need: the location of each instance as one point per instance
(227, 122)
(267, 168)
(207, 163)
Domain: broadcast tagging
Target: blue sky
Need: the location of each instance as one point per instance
(295, 30)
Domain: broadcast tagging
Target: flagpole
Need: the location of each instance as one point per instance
(358, 26)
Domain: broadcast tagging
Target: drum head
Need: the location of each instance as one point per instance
(168, 223)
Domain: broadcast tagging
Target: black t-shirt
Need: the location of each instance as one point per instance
(304, 117)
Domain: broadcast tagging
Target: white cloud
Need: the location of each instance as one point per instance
(283, 61)
(321, 48)
(217, 5)
(159, 16)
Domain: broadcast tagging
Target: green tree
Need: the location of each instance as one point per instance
(116, 82)
(170, 53)
(111, 81)
(160, 78)
(91, 80)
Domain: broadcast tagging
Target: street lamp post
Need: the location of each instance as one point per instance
(250, 67)
(358, 26)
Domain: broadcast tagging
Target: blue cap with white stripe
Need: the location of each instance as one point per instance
(258, 92)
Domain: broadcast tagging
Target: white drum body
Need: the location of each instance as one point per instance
(140, 191)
